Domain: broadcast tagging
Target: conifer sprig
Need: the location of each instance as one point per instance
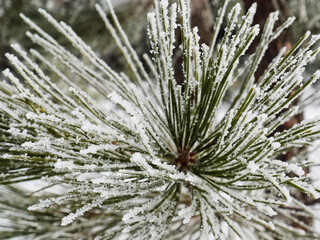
(141, 157)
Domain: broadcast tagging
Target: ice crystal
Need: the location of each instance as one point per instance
(157, 164)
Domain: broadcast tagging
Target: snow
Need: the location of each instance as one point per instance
(189, 211)
(95, 148)
(80, 211)
(276, 145)
(140, 161)
(253, 167)
(64, 164)
(43, 204)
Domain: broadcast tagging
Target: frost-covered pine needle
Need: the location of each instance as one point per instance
(141, 157)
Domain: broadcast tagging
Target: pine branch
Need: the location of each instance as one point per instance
(141, 158)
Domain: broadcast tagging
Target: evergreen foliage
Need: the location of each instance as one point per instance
(140, 157)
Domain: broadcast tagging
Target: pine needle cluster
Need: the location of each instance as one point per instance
(138, 156)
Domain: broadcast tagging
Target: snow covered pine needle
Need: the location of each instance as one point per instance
(141, 157)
